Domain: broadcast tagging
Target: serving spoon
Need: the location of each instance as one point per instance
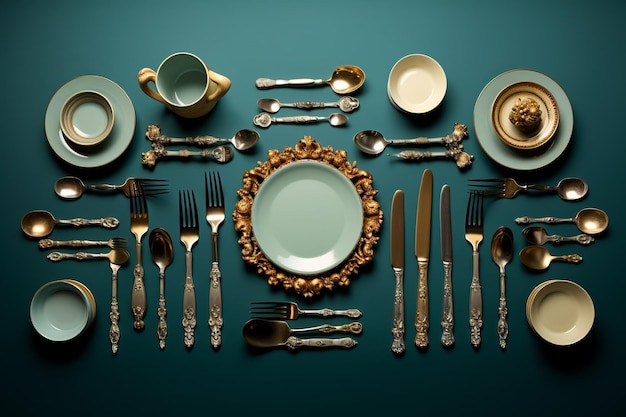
(538, 257)
(588, 220)
(539, 236)
(265, 120)
(344, 79)
(242, 140)
(501, 254)
(40, 223)
(346, 104)
(162, 251)
(269, 333)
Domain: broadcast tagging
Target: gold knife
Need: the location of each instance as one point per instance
(397, 262)
(422, 252)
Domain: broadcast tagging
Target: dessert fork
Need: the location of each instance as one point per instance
(474, 218)
(291, 311)
(215, 215)
(138, 227)
(189, 235)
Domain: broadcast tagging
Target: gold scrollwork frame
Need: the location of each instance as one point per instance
(308, 149)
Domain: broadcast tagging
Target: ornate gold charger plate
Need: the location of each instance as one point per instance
(307, 218)
(511, 134)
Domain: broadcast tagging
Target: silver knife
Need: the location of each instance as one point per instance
(422, 252)
(397, 262)
(447, 314)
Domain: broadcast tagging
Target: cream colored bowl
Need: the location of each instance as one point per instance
(87, 118)
(561, 312)
(417, 84)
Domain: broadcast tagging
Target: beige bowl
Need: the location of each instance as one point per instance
(561, 312)
(417, 84)
(87, 118)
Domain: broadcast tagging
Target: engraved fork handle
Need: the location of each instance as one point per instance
(344, 342)
(327, 312)
(189, 302)
(447, 314)
(503, 327)
(108, 222)
(215, 299)
(114, 314)
(476, 303)
(421, 313)
(80, 256)
(49, 243)
(354, 328)
(397, 326)
(138, 296)
(162, 311)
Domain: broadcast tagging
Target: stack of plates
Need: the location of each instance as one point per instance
(62, 310)
(561, 312)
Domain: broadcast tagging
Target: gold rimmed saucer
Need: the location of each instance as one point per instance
(513, 135)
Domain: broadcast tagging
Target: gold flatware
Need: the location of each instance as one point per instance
(215, 215)
(268, 334)
(445, 228)
(138, 227)
(242, 140)
(538, 257)
(474, 218)
(189, 235)
(115, 242)
(501, 254)
(422, 254)
(220, 154)
(397, 263)
(291, 311)
(71, 188)
(40, 223)
(121, 257)
(539, 236)
(162, 251)
(570, 189)
(344, 79)
(592, 221)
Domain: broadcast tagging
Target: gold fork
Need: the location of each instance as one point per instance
(499, 187)
(290, 311)
(215, 215)
(189, 235)
(474, 218)
(138, 227)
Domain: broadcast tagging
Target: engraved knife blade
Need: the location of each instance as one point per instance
(422, 253)
(397, 262)
(445, 220)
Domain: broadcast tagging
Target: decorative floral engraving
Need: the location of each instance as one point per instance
(308, 149)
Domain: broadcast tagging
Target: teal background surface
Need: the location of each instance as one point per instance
(578, 44)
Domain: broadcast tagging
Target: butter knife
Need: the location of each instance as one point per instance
(445, 223)
(422, 253)
(397, 262)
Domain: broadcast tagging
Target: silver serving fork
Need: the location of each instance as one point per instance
(291, 311)
(474, 218)
(215, 215)
(189, 235)
(138, 226)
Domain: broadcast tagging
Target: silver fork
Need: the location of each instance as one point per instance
(474, 219)
(189, 235)
(291, 311)
(72, 187)
(114, 242)
(499, 187)
(138, 226)
(215, 215)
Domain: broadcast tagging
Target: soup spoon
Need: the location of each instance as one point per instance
(588, 220)
(374, 143)
(539, 236)
(268, 333)
(346, 104)
(40, 223)
(265, 120)
(538, 257)
(162, 251)
(242, 140)
(501, 254)
(344, 80)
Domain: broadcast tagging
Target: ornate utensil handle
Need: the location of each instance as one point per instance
(138, 297)
(49, 243)
(397, 325)
(80, 256)
(421, 313)
(215, 306)
(476, 303)
(526, 220)
(463, 159)
(162, 312)
(354, 328)
(571, 258)
(447, 314)
(264, 83)
(114, 314)
(583, 239)
(221, 154)
(327, 312)
(108, 222)
(503, 327)
(264, 119)
(189, 303)
(345, 342)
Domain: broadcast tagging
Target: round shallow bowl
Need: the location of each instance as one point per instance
(87, 118)
(512, 135)
(561, 312)
(417, 84)
(61, 310)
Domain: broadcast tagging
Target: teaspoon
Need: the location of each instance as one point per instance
(589, 220)
(538, 257)
(346, 104)
(539, 236)
(242, 140)
(265, 120)
(501, 254)
(40, 223)
(343, 80)
(269, 333)
(162, 251)
(120, 257)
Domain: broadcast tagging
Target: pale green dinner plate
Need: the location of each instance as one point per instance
(510, 157)
(120, 137)
(307, 217)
